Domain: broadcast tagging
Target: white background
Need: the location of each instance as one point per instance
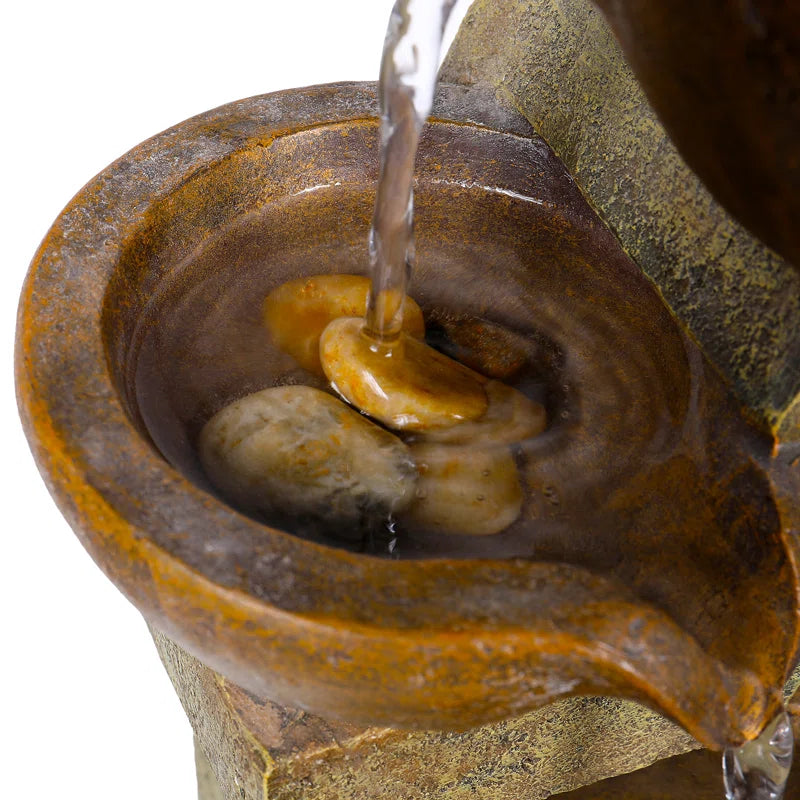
(87, 710)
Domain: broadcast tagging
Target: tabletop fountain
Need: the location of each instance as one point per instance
(585, 560)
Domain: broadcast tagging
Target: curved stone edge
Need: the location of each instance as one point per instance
(260, 750)
(559, 64)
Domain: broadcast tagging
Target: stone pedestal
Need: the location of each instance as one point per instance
(256, 749)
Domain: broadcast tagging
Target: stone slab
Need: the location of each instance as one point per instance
(558, 63)
(258, 749)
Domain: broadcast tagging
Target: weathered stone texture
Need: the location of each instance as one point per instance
(559, 64)
(260, 750)
(207, 786)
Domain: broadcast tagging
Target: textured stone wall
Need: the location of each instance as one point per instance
(258, 749)
(559, 64)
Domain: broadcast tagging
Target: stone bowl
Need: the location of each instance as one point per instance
(653, 556)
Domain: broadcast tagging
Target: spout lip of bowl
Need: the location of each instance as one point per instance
(353, 627)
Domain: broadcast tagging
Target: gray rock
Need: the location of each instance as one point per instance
(294, 450)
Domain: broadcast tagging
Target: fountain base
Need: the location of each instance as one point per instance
(255, 748)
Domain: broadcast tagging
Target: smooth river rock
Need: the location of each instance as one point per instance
(510, 417)
(297, 312)
(464, 490)
(407, 386)
(488, 348)
(298, 451)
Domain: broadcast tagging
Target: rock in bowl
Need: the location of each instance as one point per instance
(295, 450)
(650, 556)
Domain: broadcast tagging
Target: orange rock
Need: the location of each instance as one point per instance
(407, 386)
(298, 311)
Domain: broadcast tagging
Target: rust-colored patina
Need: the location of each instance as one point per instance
(724, 76)
(654, 555)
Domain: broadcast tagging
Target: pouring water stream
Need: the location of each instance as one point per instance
(407, 82)
(759, 769)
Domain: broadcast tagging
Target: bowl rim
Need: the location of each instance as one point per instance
(375, 655)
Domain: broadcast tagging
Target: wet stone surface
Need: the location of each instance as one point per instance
(510, 417)
(465, 490)
(295, 450)
(406, 385)
(297, 312)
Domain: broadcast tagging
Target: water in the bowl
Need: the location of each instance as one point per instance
(445, 463)
(277, 441)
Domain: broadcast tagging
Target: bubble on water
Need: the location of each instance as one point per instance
(551, 495)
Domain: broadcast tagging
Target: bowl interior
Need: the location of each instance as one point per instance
(498, 250)
(648, 475)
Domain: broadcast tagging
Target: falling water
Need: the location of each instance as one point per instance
(407, 81)
(759, 769)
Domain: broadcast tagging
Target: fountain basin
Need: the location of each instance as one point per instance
(652, 559)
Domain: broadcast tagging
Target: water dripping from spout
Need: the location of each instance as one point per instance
(408, 75)
(759, 769)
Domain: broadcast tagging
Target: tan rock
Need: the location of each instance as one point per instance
(466, 490)
(408, 386)
(510, 417)
(298, 451)
(298, 311)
